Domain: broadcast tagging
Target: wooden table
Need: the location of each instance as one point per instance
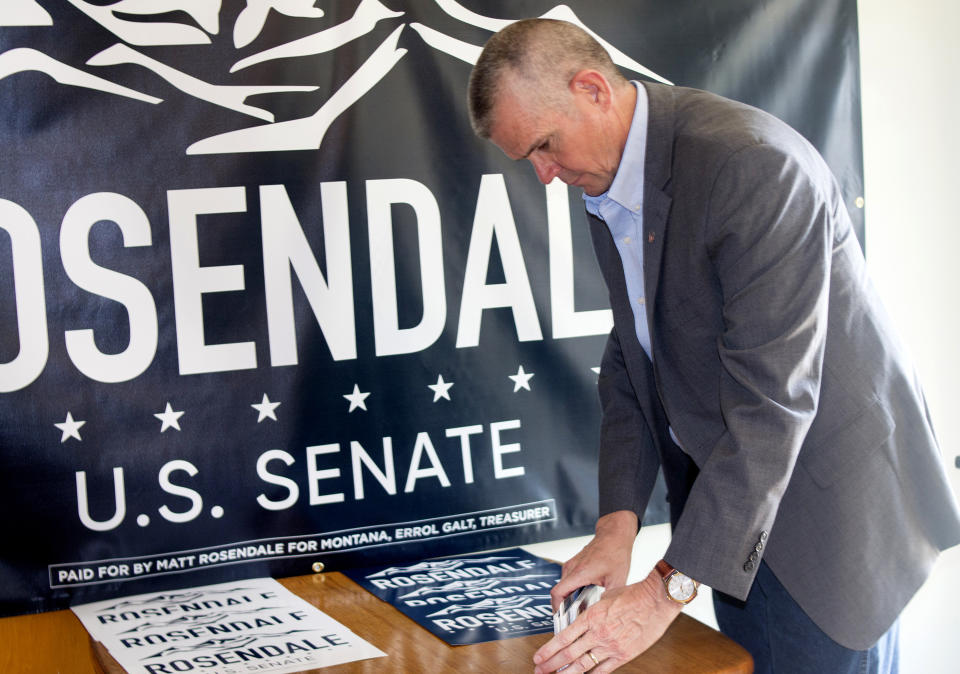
(49, 643)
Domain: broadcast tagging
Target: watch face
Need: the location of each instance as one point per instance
(681, 587)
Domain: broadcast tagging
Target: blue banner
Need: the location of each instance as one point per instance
(266, 301)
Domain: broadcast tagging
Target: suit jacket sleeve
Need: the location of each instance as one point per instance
(768, 233)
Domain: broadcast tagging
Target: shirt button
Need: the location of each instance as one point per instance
(626, 240)
(641, 301)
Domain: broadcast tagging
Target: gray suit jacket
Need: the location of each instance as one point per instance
(805, 436)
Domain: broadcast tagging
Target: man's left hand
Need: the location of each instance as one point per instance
(622, 625)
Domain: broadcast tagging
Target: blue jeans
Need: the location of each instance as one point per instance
(783, 640)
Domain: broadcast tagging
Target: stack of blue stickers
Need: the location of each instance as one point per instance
(472, 598)
(574, 604)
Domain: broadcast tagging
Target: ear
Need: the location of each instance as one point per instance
(591, 87)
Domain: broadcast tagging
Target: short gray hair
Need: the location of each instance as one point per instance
(546, 53)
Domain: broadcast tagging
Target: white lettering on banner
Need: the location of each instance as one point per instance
(191, 281)
(499, 449)
(120, 497)
(424, 446)
(120, 502)
(464, 434)
(314, 475)
(244, 552)
(494, 220)
(28, 290)
(293, 491)
(287, 252)
(285, 248)
(360, 539)
(389, 337)
(466, 575)
(514, 516)
(131, 293)
(177, 490)
(466, 524)
(386, 477)
(567, 322)
(424, 463)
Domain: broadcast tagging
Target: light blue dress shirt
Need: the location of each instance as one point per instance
(621, 209)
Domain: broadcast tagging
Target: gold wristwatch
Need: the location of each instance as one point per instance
(680, 587)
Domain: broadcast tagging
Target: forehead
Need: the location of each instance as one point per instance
(518, 126)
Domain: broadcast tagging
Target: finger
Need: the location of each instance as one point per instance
(557, 594)
(557, 644)
(571, 580)
(571, 665)
(564, 586)
(571, 565)
(599, 663)
(588, 662)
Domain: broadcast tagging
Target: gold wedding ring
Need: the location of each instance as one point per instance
(593, 657)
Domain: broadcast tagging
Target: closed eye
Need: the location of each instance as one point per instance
(539, 146)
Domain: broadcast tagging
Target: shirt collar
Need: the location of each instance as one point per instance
(627, 187)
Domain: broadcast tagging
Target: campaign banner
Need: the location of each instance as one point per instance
(470, 599)
(266, 302)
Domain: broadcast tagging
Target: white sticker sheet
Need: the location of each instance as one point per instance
(228, 628)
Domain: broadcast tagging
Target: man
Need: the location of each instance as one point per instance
(750, 358)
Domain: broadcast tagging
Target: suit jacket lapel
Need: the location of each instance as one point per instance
(656, 203)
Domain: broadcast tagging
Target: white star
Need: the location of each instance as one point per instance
(441, 389)
(266, 409)
(70, 428)
(169, 418)
(356, 399)
(521, 379)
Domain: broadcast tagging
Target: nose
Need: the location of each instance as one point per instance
(545, 169)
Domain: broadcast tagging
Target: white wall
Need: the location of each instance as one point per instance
(910, 69)
(909, 60)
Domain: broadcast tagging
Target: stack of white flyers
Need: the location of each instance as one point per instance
(574, 604)
(243, 626)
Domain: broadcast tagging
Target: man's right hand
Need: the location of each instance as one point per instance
(604, 561)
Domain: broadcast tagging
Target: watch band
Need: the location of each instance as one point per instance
(664, 569)
(668, 574)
